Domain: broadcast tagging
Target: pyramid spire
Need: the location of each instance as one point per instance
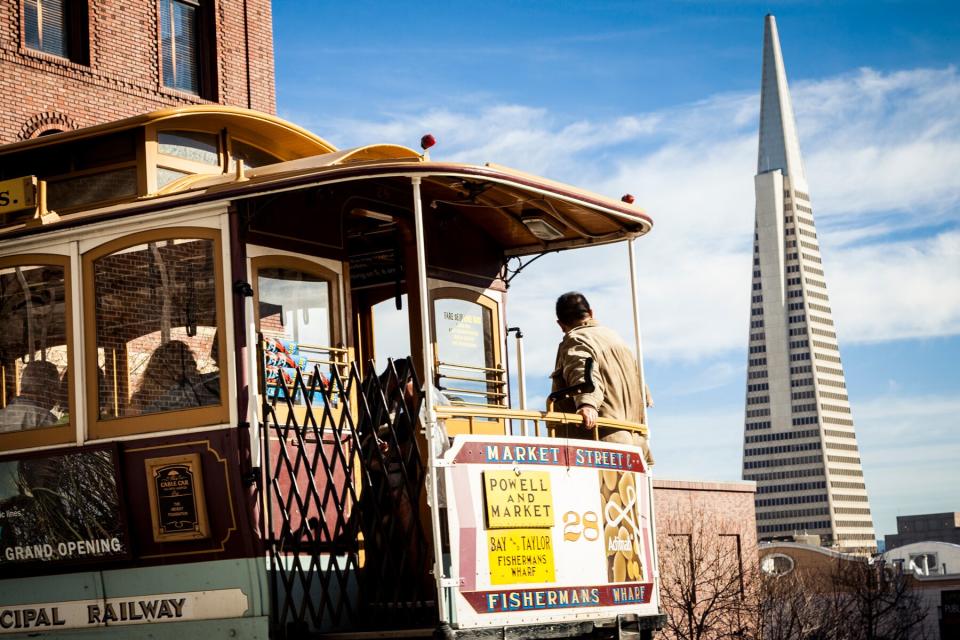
(779, 144)
(799, 443)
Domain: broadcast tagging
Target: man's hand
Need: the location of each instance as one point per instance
(589, 415)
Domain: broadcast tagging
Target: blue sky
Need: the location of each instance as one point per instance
(660, 100)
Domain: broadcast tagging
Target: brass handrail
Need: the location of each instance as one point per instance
(499, 383)
(470, 367)
(458, 411)
(489, 394)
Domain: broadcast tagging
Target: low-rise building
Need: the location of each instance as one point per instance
(942, 527)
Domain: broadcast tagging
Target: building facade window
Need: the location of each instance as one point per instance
(56, 27)
(186, 42)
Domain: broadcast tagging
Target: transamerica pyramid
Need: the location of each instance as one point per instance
(799, 442)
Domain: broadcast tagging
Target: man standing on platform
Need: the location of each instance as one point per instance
(616, 376)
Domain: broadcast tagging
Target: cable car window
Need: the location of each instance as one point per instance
(391, 331)
(190, 145)
(165, 176)
(107, 186)
(34, 353)
(295, 313)
(466, 352)
(157, 327)
(251, 156)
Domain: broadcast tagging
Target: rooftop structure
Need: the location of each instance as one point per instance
(799, 442)
(934, 527)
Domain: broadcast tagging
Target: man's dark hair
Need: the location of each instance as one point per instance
(572, 307)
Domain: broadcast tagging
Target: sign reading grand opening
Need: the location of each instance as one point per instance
(61, 508)
(177, 505)
(548, 529)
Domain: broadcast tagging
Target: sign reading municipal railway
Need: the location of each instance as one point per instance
(126, 610)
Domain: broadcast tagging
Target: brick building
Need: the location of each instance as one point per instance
(707, 546)
(69, 64)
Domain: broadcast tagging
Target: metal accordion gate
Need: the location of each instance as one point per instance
(347, 548)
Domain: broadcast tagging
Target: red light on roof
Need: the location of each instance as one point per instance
(627, 198)
(427, 141)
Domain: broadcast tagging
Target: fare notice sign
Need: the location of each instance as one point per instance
(518, 499)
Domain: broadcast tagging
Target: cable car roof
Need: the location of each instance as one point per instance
(523, 213)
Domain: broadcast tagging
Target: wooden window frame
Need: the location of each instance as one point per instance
(162, 420)
(52, 435)
(154, 160)
(206, 50)
(76, 29)
(456, 426)
(281, 261)
(467, 295)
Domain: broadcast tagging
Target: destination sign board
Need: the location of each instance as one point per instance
(548, 530)
(18, 194)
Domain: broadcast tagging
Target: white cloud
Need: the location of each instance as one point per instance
(903, 289)
(908, 447)
(882, 155)
(883, 158)
(909, 450)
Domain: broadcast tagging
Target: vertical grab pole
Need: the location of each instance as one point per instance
(521, 372)
(428, 399)
(521, 377)
(636, 327)
(643, 401)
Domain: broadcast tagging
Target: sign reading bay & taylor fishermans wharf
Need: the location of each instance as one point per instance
(548, 529)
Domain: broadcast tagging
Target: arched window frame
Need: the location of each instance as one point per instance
(65, 433)
(159, 422)
(282, 261)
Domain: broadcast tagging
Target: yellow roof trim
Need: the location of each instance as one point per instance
(246, 117)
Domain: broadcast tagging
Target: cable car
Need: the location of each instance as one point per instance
(255, 386)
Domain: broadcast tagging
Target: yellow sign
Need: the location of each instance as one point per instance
(518, 499)
(520, 556)
(18, 194)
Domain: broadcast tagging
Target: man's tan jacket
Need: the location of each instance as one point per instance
(616, 376)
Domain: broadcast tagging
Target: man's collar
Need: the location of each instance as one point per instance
(589, 322)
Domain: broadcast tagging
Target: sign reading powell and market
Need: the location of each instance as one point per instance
(60, 508)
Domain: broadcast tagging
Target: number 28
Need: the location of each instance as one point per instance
(576, 526)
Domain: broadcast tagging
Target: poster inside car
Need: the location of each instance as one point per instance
(60, 507)
(548, 529)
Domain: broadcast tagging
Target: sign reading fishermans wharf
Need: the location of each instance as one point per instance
(177, 505)
(61, 508)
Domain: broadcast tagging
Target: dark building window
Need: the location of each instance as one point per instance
(57, 27)
(186, 41)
